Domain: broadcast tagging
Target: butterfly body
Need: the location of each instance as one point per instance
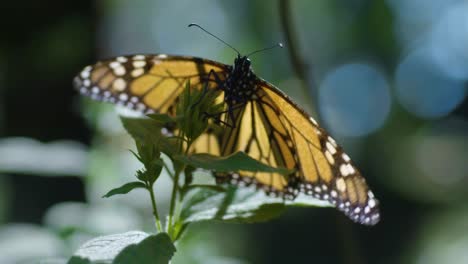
(239, 86)
(259, 119)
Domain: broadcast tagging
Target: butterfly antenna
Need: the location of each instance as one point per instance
(200, 27)
(277, 45)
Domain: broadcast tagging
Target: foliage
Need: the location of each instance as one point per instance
(190, 202)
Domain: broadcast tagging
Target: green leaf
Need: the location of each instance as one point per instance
(136, 155)
(147, 132)
(154, 170)
(157, 249)
(148, 137)
(151, 172)
(243, 205)
(196, 105)
(105, 249)
(148, 150)
(161, 119)
(79, 260)
(126, 188)
(239, 205)
(235, 162)
(142, 128)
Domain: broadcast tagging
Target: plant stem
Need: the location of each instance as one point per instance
(302, 70)
(170, 228)
(168, 171)
(155, 209)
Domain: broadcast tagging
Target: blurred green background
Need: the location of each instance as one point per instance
(388, 79)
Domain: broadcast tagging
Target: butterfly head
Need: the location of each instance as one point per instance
(242, 63)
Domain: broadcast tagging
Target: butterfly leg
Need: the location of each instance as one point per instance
(229, 111)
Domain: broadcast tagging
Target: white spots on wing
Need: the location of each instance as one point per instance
(95, 90)
(122, 59)
(86, 82)
(162, 56)
(345, 157)
(115, 64)
(347, 169)
(340, 185)
(138, 57)
(134, 99)
(351, 169)
(119, 84)
(123, 97)
(329, 157)
(318, 131)
(344, 170)
(330, 147)
(86, 72)
(139, 63)
(332, 141)
(137, 72)
(119, 71)
(375, 217)
(362, 213)
(313, 121)
(366, 209)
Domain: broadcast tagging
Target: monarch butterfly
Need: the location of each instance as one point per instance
(260, 120)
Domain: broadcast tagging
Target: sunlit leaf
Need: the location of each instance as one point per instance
(126, 248)
(235, 205)
(157, 249)
(105, 249)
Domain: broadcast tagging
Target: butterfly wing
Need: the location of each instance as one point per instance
(147, 83)
(260, 140)
(276, 131)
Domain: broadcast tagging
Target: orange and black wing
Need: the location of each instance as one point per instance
(147, 83)
(276, 131)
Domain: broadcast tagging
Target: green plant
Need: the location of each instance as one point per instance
(190, 202)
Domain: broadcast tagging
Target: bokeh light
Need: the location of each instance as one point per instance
(425, 91)
(432, 162)
(25, 243)
(449, 39)
(443, 238)
(354, 100)
(413, 27)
